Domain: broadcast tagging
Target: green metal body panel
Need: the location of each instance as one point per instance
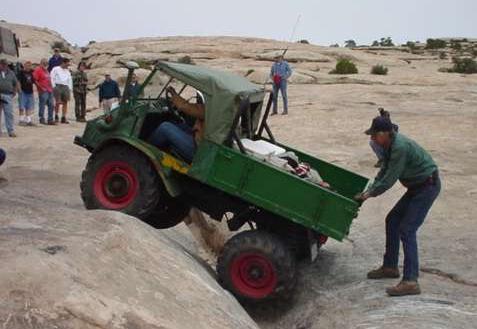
(268, 187)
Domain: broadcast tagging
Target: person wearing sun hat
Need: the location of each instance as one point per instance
(408, 162)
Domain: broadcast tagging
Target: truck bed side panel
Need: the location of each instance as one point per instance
(281, 192)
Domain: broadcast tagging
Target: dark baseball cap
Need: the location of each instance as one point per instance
(379, 124)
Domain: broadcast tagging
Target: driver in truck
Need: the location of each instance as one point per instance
(180, 137)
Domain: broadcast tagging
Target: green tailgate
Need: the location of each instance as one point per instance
(280, 192)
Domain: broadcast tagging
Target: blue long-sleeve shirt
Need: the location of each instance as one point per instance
(109, 89)
(282, 69)
(54, 61)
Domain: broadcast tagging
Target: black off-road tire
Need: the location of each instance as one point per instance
(256, 266)
(124, 171)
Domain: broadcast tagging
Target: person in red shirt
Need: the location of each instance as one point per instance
(42, 80)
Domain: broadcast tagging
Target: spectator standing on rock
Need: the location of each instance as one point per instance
(55, 60)
(109, 93)
(132, 90)
(42, 79)
(378, 149)
(280, 73)
(62, 85)
(26, 97)
(80, 83)
(406, 161)
(8, 90)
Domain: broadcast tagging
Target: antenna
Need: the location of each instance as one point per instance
(292, 36)
(294, 27)
(291, 39)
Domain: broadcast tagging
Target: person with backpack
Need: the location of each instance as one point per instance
(280, 73)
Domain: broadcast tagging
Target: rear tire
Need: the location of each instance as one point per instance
(120, 178)
(256, 266)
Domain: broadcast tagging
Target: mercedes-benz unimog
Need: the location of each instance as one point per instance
(240, 173)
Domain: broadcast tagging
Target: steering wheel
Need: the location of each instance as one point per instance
(170, 91)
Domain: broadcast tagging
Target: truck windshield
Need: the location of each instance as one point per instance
(155, 87)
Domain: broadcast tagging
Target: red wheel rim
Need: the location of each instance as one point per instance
(116, 185)
(253, 275)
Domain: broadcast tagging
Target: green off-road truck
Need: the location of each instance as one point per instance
(262, 188)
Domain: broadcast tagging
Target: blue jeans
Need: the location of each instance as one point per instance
(46, 98)
(283, 89)
(378, 150)
(402, 223)
(179, 138)
(6, 106)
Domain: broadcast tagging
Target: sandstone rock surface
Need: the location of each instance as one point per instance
(65, 268)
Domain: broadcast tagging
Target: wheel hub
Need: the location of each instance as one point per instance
(116, 185)
(253, 275)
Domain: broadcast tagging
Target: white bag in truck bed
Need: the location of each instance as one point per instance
(261, 147)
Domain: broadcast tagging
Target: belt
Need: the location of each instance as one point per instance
(431, 180)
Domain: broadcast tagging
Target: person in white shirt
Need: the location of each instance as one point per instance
(62, 86)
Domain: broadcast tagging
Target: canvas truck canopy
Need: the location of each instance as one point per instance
(223, 92)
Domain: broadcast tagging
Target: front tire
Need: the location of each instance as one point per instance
(120, 178)
(256, 266)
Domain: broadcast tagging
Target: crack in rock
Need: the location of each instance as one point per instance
(451, 276)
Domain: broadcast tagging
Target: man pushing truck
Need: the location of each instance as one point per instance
(406, 161)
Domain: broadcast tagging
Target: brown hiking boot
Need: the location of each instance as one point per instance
(384, 273)
(404, 288)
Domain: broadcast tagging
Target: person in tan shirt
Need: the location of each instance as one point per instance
(180, 137)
